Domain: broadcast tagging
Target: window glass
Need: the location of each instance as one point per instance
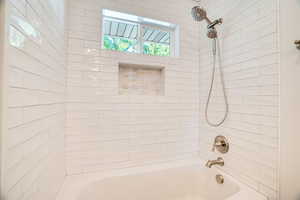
(156, 41)
(130, 33)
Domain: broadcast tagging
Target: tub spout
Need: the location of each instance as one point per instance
(211, 163)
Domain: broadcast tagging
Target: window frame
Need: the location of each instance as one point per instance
(141, 25)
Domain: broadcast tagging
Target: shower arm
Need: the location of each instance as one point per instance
(212, 24)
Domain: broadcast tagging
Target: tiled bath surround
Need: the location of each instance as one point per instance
(33, 145)
(250, 59)
(106, 130)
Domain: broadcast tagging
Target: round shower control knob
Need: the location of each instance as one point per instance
(221, 144)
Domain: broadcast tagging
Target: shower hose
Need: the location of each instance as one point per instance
(216, 53)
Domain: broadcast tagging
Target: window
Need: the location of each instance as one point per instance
(130, 33)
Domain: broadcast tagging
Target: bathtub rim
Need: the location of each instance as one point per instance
(74, 184)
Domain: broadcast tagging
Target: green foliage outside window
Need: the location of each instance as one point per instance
(131, 45)
(156, 49)
(120, 44)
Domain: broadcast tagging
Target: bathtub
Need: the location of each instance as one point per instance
(181, 182)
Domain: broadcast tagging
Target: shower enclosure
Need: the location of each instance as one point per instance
(75, 116)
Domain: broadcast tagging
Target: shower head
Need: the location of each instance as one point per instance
(200, 14)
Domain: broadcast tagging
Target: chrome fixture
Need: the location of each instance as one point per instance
(220, 179)
(297, 43)
(221, 144)
(199, 14)
(211, 163)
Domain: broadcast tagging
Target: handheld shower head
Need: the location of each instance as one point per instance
(200, 14)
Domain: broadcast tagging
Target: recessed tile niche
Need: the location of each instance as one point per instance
(141, 80)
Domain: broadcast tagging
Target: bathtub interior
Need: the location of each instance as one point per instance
(180, 183)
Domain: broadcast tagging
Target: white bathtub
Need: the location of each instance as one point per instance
(191, 182)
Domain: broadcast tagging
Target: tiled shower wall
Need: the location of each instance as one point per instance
(106, 130)
(33, 145)
(250, 60)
